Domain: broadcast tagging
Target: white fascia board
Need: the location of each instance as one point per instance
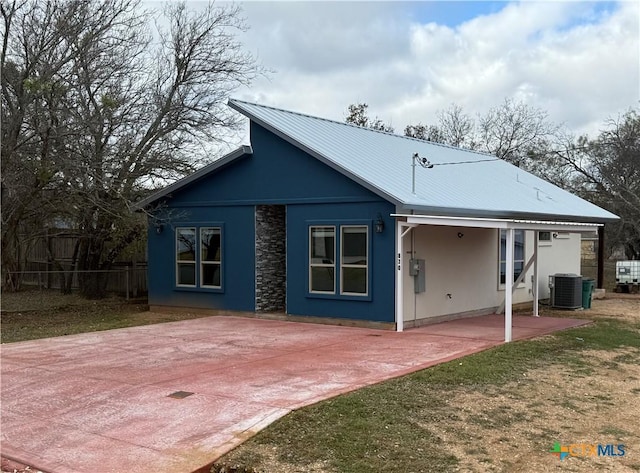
(569, 227)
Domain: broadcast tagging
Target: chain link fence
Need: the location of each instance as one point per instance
(126, 281)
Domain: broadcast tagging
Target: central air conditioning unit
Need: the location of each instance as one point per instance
(566, 291)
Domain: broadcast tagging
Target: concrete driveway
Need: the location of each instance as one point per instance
(173, 397)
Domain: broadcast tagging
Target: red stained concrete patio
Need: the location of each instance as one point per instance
(99, 402)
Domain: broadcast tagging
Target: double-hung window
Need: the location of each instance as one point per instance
(210, 257)
(322, 261)
(186, 257)
(518, 254)
(347, 274)
(354, 260)
(199, 257)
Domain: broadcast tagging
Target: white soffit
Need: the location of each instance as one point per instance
(540, 225)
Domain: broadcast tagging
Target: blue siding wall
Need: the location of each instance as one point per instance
(276, 173)
(379, 306)
(238, 260)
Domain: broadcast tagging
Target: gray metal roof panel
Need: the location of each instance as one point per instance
(462, 182)
(199, 174)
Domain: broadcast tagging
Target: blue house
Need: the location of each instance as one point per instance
(323, 221)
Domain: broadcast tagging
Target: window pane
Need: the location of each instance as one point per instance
(210, 244)
(211, 275)
(187, 274)
(354, 280)
(354, 245)
(518, 266)
(518, 245)
(544, 236)
(323, 245)
(322, 279)
(518, 254)
(186, 239)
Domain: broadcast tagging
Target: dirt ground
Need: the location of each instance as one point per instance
(499, 428)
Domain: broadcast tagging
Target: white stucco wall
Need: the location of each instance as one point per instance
(560, 255)
(462, 272)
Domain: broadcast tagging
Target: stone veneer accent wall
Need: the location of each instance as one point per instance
(271, 259)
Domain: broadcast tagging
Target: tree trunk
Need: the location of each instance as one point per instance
(92, 282)
(11, 257)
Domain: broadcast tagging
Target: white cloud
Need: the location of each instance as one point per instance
(578, 61)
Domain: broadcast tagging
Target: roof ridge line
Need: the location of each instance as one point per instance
(434, 143)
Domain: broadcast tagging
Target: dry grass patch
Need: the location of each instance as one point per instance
(29, 315)
(496, 411)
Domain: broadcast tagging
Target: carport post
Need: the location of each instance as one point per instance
(508, 285)
(534, 284)
(399, 289)
(402, 229)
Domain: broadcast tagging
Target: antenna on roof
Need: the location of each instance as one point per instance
(424, 162)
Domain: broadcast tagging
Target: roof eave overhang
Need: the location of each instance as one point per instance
(319, 156)
(500, 223)
(508, 215)
(199, 174)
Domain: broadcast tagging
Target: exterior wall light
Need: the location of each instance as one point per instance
(159, 228)
(379, 224)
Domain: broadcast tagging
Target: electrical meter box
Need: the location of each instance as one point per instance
(417, 269)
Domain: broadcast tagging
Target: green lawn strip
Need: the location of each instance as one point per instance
(396, 425)
(71, 315)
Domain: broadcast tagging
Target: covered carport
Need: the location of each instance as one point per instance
(406, 223)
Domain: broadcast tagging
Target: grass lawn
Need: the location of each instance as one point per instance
(499, 410)
(28, 315)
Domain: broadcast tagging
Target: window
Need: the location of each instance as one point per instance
(339, 260)
(518, 254)
(199, 257)
(354, 260)
(210, 262)
(322, 261)
(544, 236)
(186, 256)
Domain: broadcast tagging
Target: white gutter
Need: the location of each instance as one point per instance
(520, 224)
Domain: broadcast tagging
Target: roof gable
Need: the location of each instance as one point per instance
(461, 183)
(196, 176)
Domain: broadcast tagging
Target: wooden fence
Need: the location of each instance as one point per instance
(128, 275)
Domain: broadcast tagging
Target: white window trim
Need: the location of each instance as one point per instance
(360, 266)
(179, 262)
(321, 265)
(501, 285)
(542, 242)
(211, 263)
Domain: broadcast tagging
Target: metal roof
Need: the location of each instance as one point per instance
(461, 183)
(199, 174)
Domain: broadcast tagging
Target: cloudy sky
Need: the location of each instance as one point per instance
(580, 61)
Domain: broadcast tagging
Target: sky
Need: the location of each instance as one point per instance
(579, 61)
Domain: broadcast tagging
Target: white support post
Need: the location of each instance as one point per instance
(508, 287)
(534, 284)
(399, 288)
(402, 228)
(517, 282)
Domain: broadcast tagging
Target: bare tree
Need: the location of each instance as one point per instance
(453, 127)
(425, 132)
(457, 128)
(357, 115)
(515, 131)
(34, 55)
(606, 171)
(122, 111)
